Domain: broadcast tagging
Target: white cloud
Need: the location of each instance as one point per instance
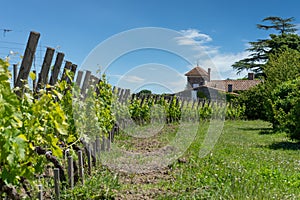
(192, 37)
(115, 75)
(222, 62)
(179, 84)
(132, 79)
(209, 56)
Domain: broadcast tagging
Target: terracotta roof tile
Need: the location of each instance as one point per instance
(197, 71)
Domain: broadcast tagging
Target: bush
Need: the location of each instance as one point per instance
(231, 97)
(281, 66)
(255, 102)
(201, 95)
(286, 108)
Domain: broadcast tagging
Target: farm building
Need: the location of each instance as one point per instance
(199, 81)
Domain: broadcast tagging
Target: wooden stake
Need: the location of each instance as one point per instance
(67, 67)
(34, 81)
(107, 144)
(95, 153)
(43, 76)
(54, 73)
(80, 164)
(79, 78)
(40, 194)
(85, 82)
(15, 73)
(70, 172)
(27, 59)
(73, 71)
(103, 143)
(121, 96)
(89, 158)
(56, 183)
(97, 143)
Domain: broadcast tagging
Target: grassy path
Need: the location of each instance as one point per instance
(248, 162)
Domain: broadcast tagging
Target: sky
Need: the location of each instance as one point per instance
(141, 44)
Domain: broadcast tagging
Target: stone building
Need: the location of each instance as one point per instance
(199, 81)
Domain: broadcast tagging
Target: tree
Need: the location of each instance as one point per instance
(282, 66)
(261, 49)
(284, 26)
(145, 92)
(259, 100)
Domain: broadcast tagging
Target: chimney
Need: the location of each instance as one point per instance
(250, 76)
(208, 71)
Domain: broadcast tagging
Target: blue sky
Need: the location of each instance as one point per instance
(222, 28)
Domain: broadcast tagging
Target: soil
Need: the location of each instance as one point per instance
(143, 186)
(146, 185)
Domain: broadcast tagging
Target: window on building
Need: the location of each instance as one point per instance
(195, 85)
(229, 87)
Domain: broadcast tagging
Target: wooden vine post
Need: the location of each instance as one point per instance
(80, 164)
(15, 68)
(55, 71)
(70, 172)
(56, 183)
(27, 59)
(43, 76)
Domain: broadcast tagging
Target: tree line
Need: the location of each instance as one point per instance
(275, 60)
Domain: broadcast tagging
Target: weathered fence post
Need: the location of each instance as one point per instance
(95, 153)
(34, 81)
(103, 143)
(85, 82)
(40, 194)
(114, 90)
(89, 159)
(79, 78)
(111, 134)
(57, 65)
(27, 59)
(43, 76)
(127, 93)
(108, 143)
(121, 96)
(182, 103)
(80, 164)
(15, 66)
(70, 172)
(67, 67)
(56, 183)
(72, 75)
(118, 90)
(98, 143)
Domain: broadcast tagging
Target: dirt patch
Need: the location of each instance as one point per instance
(144, 186)
(147, 185)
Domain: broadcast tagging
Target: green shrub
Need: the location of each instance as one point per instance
(231, 97)
(201, 95)
(286, 108)
(255, 102)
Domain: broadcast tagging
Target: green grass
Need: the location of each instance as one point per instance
(102, 184)
(243, 165)
(248, 162)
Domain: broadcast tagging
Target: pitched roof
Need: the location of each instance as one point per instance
(237, 85)
(197, 71)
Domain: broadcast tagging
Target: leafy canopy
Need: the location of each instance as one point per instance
(261, 49)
